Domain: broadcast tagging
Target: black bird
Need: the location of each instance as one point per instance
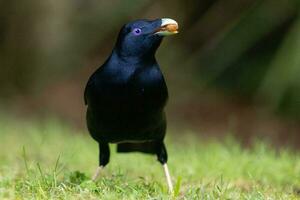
(126, 96)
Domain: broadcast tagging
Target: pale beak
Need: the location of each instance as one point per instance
(168, 27)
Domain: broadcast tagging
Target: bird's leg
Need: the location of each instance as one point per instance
(103, 158)
(97, 172)
(168, 177)
(162, 157)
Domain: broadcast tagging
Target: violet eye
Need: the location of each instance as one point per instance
(137, 31)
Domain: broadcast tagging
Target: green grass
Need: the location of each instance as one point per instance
(50, 160)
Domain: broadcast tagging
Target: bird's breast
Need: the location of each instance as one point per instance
(131, 109)
(144, 91)
(148, 89)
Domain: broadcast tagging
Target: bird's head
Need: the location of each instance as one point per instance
(141, 38)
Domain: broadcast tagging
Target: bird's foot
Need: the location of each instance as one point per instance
(96, 175)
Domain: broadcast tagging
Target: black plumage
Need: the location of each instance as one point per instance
(126, 96)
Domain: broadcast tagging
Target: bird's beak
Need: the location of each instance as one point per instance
(168, 27)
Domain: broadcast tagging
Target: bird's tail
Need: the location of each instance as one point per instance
(145, 147)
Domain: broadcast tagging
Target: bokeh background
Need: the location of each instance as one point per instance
(233, 69)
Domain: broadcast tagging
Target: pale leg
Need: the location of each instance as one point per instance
(103, 158)
(168, 177)
(99, 169)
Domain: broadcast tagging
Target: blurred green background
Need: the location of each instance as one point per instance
(234, 67)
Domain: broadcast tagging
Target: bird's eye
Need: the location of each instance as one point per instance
(137, 31)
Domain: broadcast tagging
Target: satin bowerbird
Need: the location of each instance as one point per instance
(126, 96)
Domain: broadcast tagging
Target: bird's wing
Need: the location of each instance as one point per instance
(87, 89)
(85, 95)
